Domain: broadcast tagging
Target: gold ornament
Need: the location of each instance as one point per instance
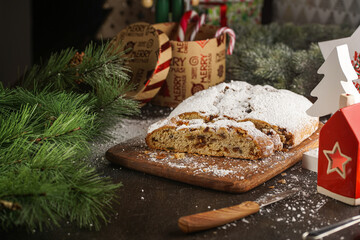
(195, 2)
(147, 3)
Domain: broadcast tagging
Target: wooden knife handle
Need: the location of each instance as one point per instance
(215, 218)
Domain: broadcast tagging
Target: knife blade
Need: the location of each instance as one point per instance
(327, 230)
(210, 219)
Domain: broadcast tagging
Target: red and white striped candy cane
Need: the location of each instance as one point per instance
(185, 19)
(232, 36)
(199, 23)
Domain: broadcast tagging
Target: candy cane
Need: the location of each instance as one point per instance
(186, 18)
(232, 35)
(199, 23)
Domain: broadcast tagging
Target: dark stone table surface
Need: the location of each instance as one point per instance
(148, 206)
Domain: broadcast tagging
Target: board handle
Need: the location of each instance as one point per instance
(215, 218)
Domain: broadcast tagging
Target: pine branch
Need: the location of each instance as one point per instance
(48, 180)
(283, 56)
(45, 129)
(306, 64)
(55, 70)
(100, 71)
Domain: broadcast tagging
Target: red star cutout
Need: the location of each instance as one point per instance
(337, 160)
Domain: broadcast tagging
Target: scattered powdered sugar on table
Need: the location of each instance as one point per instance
(121, 132)
(300, 211)
(126, 129)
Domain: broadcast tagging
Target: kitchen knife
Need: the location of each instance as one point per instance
(215, 218)
(325, 231)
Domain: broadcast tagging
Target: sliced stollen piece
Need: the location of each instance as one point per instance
(278, 117)
(222, 137)
(268, 108)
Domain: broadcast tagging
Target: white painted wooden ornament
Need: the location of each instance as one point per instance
(353, 43)
(338, 79)
(310, 160)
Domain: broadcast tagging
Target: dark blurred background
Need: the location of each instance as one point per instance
(32, 29)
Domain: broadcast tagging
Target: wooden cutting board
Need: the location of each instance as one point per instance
(219, 173)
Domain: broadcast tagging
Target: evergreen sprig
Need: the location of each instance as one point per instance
(98, 69)
(41, 147)
(46, 126)
(281, 55)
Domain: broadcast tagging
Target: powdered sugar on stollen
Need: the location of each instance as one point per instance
(240, 100)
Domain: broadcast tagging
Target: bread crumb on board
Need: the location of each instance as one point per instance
(283, 181)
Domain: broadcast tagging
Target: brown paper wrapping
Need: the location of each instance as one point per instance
(149, 54)
(195, 65)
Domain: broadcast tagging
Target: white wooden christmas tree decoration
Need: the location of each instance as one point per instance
(338, 76)
(353, 43)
